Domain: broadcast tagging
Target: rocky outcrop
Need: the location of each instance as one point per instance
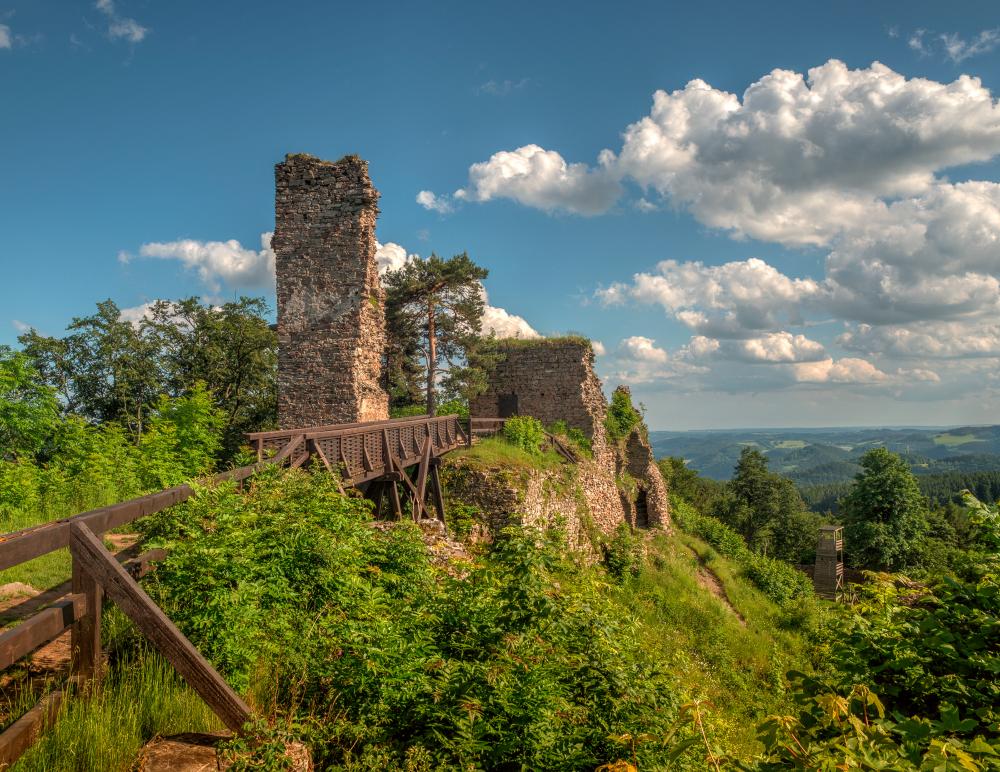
(583, 498)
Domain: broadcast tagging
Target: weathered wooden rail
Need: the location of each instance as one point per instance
(96, 572)
(374, 456)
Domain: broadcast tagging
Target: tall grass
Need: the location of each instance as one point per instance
(141, 697)
(738, 669)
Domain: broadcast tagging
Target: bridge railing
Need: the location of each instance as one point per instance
(367, 451)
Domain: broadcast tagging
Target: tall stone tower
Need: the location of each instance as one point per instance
(331, 306)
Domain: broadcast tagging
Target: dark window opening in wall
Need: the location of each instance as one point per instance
(641, 510)
(506, 405)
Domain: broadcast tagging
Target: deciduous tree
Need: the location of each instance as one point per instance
(884, 514)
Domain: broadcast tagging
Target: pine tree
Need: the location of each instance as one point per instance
(436, 306)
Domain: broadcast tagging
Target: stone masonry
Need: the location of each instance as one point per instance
(553, 380)
(331, 314)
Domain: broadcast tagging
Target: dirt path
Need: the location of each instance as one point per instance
(706, 578)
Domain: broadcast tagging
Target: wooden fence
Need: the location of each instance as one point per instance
(362, 454)
(96, 573)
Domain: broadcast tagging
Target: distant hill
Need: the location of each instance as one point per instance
(828, 457)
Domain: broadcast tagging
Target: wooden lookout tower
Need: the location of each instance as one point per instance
(828, 576)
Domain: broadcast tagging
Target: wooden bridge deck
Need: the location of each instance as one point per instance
(374, 456)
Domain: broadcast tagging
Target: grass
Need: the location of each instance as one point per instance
(790, 444)
(55, 567)
(140, 697)
(495, 451)
(738, 669)
(951, 440)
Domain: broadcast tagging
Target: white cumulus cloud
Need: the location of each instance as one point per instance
(770, 348)
(434, 203)
(846, 370)
(504, 324)
(797, 159)
(736, 299)
(216, 262)
(391, 256)
(541, 178)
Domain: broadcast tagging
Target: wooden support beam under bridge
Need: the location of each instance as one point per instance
(379, 458)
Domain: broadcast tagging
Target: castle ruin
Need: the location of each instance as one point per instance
(553, 379)
(331, 315)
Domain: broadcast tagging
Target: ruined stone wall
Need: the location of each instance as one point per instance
(553, 379)
(641, 465)
(584, 497)
(331, 315)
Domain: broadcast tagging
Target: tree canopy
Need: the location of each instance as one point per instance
(110, 369)
(885, 515)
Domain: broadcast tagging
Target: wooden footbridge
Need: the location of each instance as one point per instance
(373, 457)
(378, 458)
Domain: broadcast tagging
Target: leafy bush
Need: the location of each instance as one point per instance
(623, 553)
(912, 683)
(622, 416)
(524, 432)
(575, 436)
(521, 662)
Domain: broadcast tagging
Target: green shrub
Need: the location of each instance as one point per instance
(623, 553)
(576, 438)
(523, 661)
(524, 432)
(778, 580)
(910, 683)
(622, 416)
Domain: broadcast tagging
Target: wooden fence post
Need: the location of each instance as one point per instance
(121, 588)
(85, 637)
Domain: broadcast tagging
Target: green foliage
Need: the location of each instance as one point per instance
(434, 311)
(911, 683)
(623, 553)
(28, 407)
(685, 482)
(141, 697)
(778, 580)
(498, 452)
(521, 661)
(91, 466)
(524, 432)
(884, 514)
(407, 411)
(457, 406)
(577, 440)
(108, 369)
(767, 511)
(622, 416)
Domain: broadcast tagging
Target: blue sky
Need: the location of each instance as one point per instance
(836, 259)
